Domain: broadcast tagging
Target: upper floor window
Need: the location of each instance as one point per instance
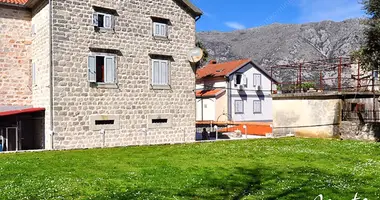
(256, 80)
(160, 27)
(102, 20)
(160, 72)
(101, 68)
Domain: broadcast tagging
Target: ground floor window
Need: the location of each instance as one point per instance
(239, 106)
(257, 107)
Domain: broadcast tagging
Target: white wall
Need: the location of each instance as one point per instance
(208, 109)
(249, 94)
(213, 83)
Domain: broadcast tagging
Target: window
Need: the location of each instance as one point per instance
(34, 31)
(256, 80)
(238, 79)
(33, 74)
(102, 20)
(160, 29)
(101, 69)
(160, 72)
(256, 107)
(239, 107)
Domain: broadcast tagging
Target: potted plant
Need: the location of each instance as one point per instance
(306, 86)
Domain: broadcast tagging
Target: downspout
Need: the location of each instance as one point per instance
(51, 72)
(229, 114)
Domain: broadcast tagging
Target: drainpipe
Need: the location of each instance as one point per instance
(51, 71)
(229, 115)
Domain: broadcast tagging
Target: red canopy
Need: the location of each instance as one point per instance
(22, 111)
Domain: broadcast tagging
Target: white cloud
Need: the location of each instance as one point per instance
(235, 25)
(336, 10)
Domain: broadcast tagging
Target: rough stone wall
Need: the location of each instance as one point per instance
(307, 117)
(133, 100)
(15, 56)
(356, 131)
(41, 59)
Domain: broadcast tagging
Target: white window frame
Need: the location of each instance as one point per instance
(261, 107)
(254, 80)
(106, 56)
(95, 22)
(161, 25)
(237, 111)
(160, 61)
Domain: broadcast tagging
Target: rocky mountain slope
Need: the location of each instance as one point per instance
(285, 43)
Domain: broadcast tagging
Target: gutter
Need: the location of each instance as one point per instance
(51, 70)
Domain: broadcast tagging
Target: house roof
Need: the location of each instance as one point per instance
(18, 2)
(220, 69)
(22, 111)
(213, 69)
(192, 8)
(209, 93)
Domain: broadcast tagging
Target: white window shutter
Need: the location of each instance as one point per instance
(107, 21)
(109, 76)
(113, 20)
(163, 30)
(95, 19)
(164, 73)
(92, 69)
(156, 29)
(235, 79)
(155, 72)
(243, 80)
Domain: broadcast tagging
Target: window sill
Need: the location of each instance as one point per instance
(161, 38)
(161, 87)
(103, 30)
(104, 85)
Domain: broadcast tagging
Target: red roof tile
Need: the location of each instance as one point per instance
(22, 2)
(209, 93)
(220, 69)
(16, 112)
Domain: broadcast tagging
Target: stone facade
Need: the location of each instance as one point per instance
(75, 102)
(15, 50)
(355, 131)
(132, 98)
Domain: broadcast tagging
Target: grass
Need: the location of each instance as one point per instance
(254, 169)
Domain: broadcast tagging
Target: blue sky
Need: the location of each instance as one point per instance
(228, 15)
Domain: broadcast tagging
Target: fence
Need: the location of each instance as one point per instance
(363, 116)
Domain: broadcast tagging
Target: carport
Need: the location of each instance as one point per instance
(22, 129)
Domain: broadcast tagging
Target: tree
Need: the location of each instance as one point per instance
(205, 53)
(369, 53)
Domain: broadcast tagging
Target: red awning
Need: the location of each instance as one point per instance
(16, 112)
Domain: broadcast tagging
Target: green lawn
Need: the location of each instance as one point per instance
(254, 169)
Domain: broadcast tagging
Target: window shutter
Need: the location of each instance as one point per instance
(235, 79)
(113, 22)
(33, 73)
(243, 80)
(257, 80)
(164, 73)
(156, 29)
(109, 69)
(95, 19)
(92, 69)
(257, 106)
(107, 21)
(155, 72)
(163, 30)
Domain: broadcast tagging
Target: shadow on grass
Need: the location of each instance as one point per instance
(239, 183)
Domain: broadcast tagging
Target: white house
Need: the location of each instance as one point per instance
(234, 91)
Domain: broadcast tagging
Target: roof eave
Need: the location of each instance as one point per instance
(194, 10)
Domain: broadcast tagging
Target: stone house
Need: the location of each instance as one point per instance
(237, 91)
(83, 74)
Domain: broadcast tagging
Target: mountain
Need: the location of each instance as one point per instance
(285, 43)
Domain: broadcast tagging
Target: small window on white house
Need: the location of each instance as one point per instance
(160, 72)
(240, 79)
(256, 80)
(257, 107)
(239, 106)
(34, 31)
(102, 20)
(160, 29)
(101, 69)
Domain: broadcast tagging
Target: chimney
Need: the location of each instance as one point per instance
(212, 62)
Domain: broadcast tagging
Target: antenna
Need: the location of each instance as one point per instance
(195, 55)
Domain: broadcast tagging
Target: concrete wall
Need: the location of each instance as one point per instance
(250, 94)
(132, 98)
(15, 56)
(307, 117)
(41, 60)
